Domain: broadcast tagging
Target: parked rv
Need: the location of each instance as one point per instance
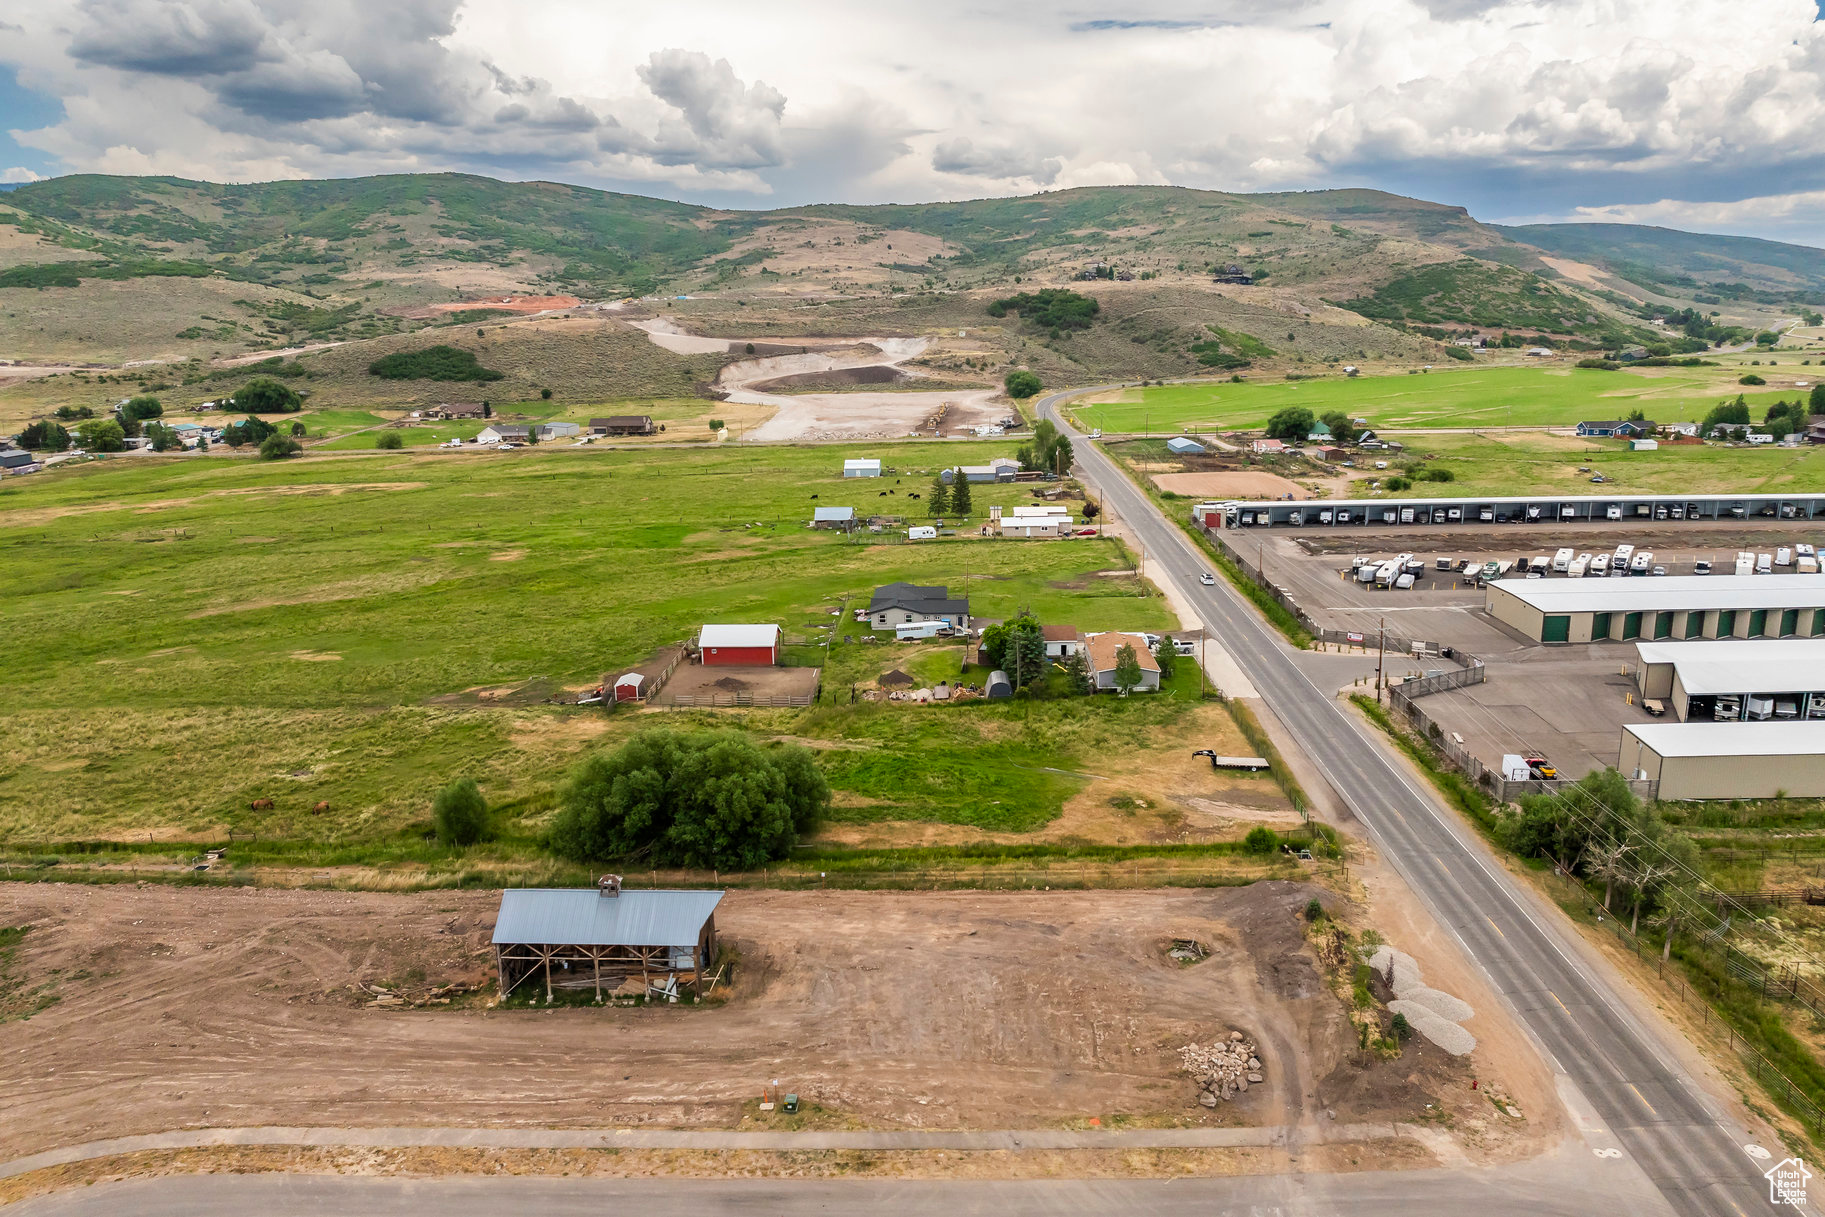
(1783, 556)
(1486, 515)
(1761, 709)
(1764, 564)
(1623, 553)
(1745, 562)
(1807, 565)
(1563, 559)
(1600, 564)
(1642, 562)
(1613, 512)
(1577, 568)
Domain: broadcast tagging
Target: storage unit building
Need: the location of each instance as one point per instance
(578, 938)
(1735, 678)
(1617, 506)
(739, 644)
(1727, 760)
(1667, 608)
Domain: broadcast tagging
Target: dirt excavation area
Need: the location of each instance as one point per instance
(197, 1007)
(848, 365)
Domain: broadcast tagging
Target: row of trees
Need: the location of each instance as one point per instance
(952, 500)
(1295, 423)
(1781, 419)
(1598, 830)
(1017, 646)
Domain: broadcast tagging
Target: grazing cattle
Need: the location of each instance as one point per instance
(260, 805)
(814, 496)
(320, 808)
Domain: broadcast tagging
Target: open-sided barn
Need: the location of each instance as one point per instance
(578, 938)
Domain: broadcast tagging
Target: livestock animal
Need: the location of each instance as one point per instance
(260, 805)
(320, 808)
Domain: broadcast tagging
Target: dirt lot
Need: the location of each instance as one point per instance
(1231, 485)
(706, 680)
(185, 1006)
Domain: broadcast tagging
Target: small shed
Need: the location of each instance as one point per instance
(1643, 445)
(868, 468)
(739, 644)
(1183, 446)
(840, 518)
(627, 688)
(578, 938)
(999, 685)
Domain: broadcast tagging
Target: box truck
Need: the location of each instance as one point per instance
(1514, 768)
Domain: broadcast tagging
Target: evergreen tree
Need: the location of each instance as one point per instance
(960, 495)
(940, 495)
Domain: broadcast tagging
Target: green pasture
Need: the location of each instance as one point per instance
(1477, 397)
(191, 634)
(1534, 462)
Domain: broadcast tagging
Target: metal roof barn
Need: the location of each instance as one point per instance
(577, 937)
(739, 644)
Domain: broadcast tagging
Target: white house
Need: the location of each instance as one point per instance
(1266, 447)
(1036, 526)
(1062, 641)
(866, 468)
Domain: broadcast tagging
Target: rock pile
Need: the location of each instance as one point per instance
(1223, 1069)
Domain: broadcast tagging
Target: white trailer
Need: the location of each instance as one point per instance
(1577, 568)
(1562, 560)
(1745, 562)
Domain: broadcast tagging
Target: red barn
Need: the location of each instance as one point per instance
(628, 687)
(739, 644)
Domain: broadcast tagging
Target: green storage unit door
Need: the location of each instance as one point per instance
(1818, 622)
(1600, 626)
(1726, 622)
(1695, 623)
(1790, 623)
(1758, 622)
(1556, 629)
(1663, 625)
(1631, 626)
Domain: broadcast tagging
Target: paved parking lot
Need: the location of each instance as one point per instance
(1567, 703)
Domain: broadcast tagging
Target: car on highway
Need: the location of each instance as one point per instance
(1207, 579)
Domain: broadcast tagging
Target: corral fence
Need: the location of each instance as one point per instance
(1775, 982)
(726, 700)
(651, 688)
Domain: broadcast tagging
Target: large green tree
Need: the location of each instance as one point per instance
(277, 447)
(101, 435)
(141, 408)
(460, 813)
(43, 436)
(264, 395)
(960, 495)
(938, 498)
(1127, 670)
(1021, 384)
(697, 799)
(1291, 424)
(249, 430)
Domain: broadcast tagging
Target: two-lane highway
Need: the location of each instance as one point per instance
(1678, 1136)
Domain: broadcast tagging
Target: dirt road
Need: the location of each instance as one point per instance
(237, 1007)
(856, 414)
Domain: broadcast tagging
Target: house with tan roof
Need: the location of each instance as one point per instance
(1102, 650)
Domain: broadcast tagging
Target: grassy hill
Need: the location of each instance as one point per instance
(1684, 263)
(111, 269)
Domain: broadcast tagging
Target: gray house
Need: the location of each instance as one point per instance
(898, 604)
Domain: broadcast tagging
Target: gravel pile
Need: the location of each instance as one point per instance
(1432, 1013)
(1222, 1070)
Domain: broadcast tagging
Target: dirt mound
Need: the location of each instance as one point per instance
(732, 684)
(1252, 485)
(836, 378)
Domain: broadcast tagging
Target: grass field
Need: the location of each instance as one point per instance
(1520, 462)
(196, 633)
(1487, 397)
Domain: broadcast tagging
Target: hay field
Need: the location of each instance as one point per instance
(206, 631)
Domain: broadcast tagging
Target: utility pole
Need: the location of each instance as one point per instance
(1381, 650)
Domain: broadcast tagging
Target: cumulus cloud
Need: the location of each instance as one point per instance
(723, 124)
(1507, 106)
(993, 160)
(18, 174)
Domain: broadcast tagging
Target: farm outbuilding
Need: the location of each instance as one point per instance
(1184, 447)
(999, 685)
(736, 645)
(628, 687)
(865, 468)
(581, 938)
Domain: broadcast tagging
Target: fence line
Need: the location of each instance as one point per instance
(1787, 983)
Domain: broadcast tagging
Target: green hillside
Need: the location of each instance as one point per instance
(1666, 257)
(118, 268)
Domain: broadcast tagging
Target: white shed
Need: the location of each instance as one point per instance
(866, 468)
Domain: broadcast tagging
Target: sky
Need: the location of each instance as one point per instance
(1707, 115)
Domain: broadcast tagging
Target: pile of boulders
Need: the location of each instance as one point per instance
(1222, 1070)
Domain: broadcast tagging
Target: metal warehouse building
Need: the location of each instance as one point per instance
(1727, 760)
(1676, 607)
(1736, 679)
